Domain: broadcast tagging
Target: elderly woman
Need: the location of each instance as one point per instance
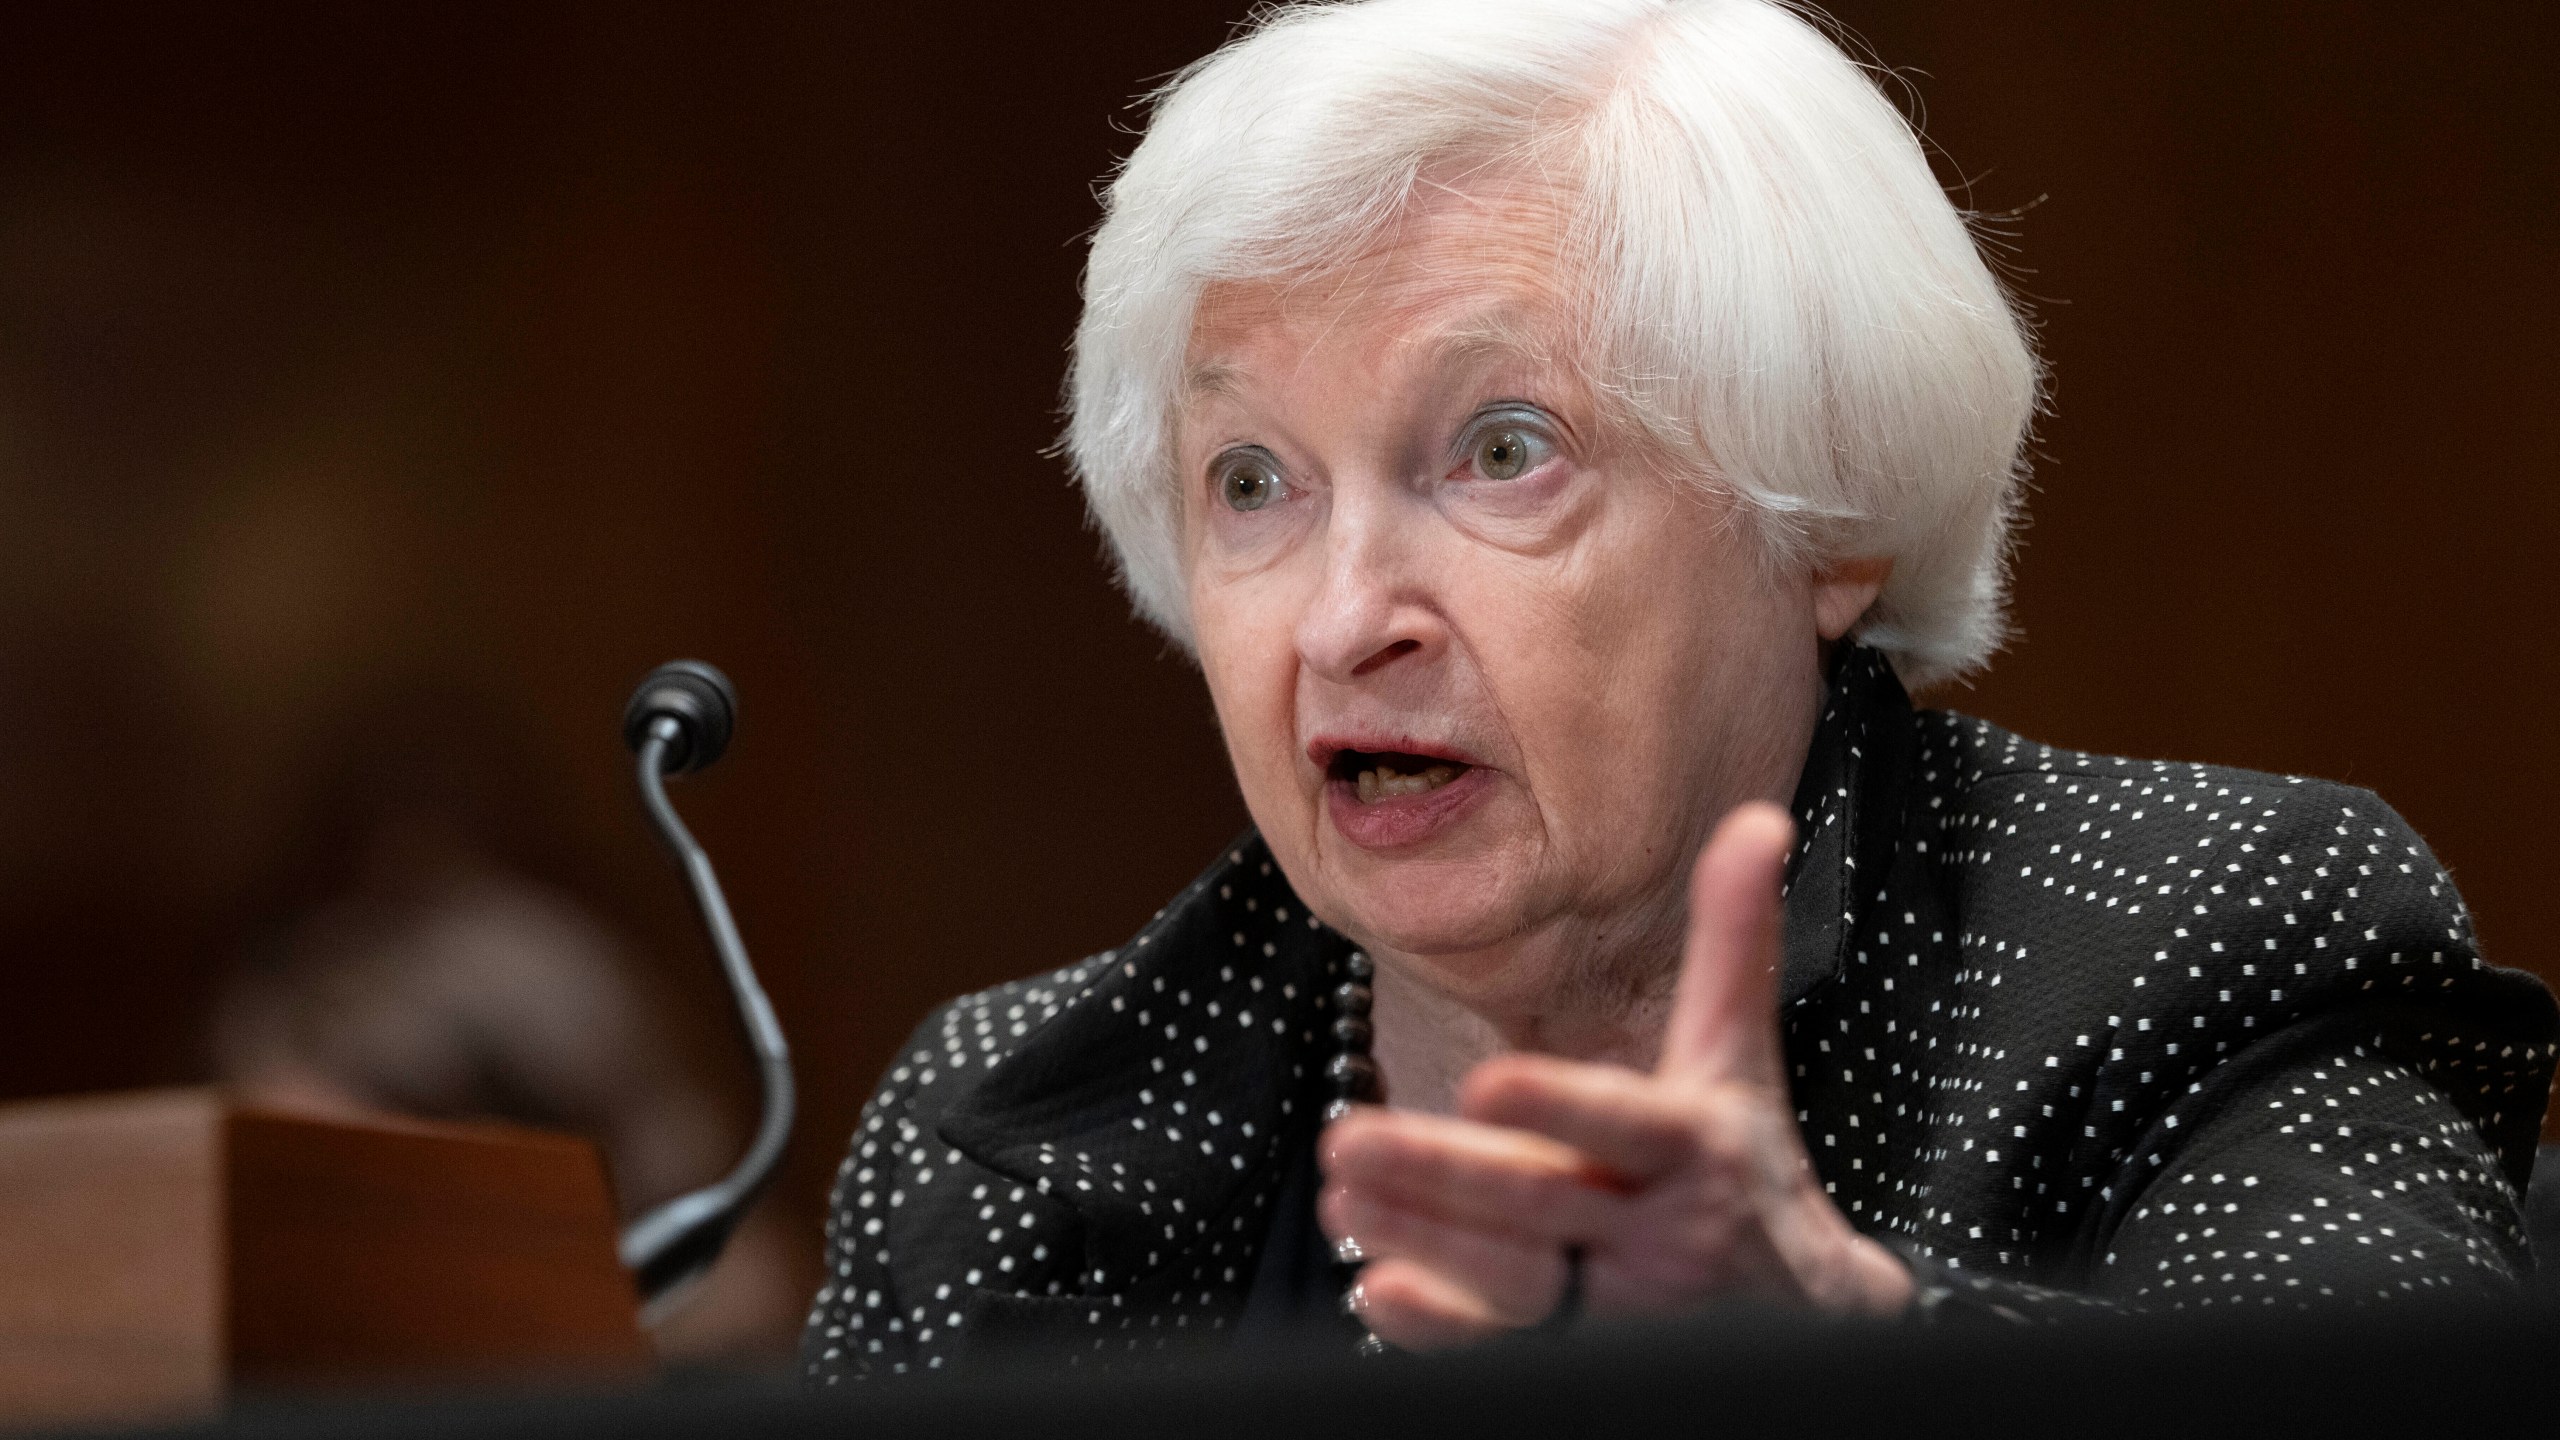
(1561, 431)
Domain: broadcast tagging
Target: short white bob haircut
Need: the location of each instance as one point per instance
(1778, 292)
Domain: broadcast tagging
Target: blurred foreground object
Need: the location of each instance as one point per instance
(443, 986)
(162, 1251)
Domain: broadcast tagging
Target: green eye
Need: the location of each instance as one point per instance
(1248, 481)
(1506, 453)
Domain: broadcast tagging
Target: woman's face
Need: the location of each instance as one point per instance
(1488, 675)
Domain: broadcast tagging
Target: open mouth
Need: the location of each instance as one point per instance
(1379, 775)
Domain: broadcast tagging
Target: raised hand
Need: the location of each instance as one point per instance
(1679, 1187)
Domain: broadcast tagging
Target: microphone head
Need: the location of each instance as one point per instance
(699, 699)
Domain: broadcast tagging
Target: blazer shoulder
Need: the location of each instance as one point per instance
(2192, 839)
(2196, 910)
(961, 1041)
(2247, 894)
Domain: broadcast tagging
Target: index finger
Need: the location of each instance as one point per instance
(1724, 1016)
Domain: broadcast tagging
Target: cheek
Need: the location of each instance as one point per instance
(1249, 662)
(1685, 606)
(1620, 667)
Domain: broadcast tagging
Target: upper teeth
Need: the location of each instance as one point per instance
(1378, 783)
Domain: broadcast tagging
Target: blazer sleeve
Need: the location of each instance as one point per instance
(2372, 1147)
(857, 1327)
(2330, 1173)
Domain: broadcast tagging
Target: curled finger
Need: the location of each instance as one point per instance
(1413, 1307)
(1468, 1174)
(1636, 1127)
(1512, 1282)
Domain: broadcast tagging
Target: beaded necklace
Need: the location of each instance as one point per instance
(1353, 1074)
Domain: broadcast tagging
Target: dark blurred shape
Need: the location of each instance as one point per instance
(408, 970)
(2542, 1222)
(2418, 1369)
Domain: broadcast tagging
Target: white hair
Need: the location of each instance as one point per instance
(1779, 293)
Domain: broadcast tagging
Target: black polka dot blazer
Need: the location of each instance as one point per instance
(2065, 1029)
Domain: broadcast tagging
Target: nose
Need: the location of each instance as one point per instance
(1371, 611)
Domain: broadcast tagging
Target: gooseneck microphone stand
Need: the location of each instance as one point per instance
(678, 722)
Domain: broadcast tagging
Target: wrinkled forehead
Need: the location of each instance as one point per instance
(1467, 272)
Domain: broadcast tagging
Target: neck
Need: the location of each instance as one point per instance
(1609, 1009)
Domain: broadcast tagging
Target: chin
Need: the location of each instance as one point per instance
(1428, 908)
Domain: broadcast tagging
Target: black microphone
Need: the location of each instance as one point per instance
(679, 721)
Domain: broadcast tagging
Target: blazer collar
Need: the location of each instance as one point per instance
(1849, 811)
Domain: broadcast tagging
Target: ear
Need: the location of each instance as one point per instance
(1844, 590)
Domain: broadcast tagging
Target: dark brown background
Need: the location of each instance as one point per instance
(383, 388)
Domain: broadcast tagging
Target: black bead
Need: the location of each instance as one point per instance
(1354, 1077)
(1360, 966)
(1351, 998)
(1352, 1034)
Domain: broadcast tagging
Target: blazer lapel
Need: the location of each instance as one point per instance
(1178, 1087)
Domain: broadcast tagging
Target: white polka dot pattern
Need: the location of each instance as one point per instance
(1131, 1225)
(2066, 1029)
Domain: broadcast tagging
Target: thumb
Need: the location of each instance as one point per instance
(1724, 1016)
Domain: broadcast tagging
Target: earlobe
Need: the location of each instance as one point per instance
(1844, 590)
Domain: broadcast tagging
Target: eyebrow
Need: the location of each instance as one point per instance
(1210, 377)
(1495, 333)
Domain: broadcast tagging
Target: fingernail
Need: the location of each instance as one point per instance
(1355, 1301)
(1347, 1251)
